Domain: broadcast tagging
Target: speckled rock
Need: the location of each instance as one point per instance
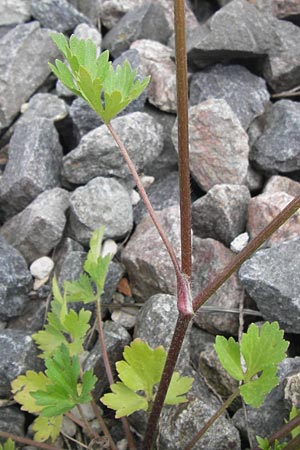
(278, 183)
(44, 105)
(111, 11)
(13, 12)
(286, 8)
(12, 420)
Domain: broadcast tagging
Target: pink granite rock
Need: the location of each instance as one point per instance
(278, 183)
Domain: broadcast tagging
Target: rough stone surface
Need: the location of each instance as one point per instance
(98, 155)
(38, 228)
(35, 157)
(111, 11)
(221, 214)
(145, 22)
(12, 420)
(83, 117)
(271, 279)
(210, 257)
(292, 389)
(58, 15)
(13, 12)
(239, 243)
(200, 340)
(251, 35)
(101, 201)
(265, 207)
(92, 10)
(44, 105)
(15, 281)
(218, 145)
(278, 183)
(24, 55)
(286, 8)
(244, 92)
(146, 260)
(156, 61)
(277, 149)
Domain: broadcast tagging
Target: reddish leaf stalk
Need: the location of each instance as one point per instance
(27, 441)
(283, 431)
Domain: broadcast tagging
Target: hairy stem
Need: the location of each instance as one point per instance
(183, 136)
(27, 441)
(213, 418)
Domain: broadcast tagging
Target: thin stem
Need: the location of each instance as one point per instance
(83, 423)
(175, 346)
(294, 444)
(103, 425)
(239, 259)
(146, 200)
(284, 431)
(213, 418)
(86, 424)
(27, 441)
(183, 136)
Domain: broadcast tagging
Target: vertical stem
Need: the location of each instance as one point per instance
(183, 136)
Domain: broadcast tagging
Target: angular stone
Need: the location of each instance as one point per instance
(218, 145)
(44, 105)
(156, 61)
(162, 194)
(221, 214)
(12, 420)
(277, 149)
(58, 15)
(98, 154)
(69, 258)
(111, 11)
(84, 118)
(286, 8)
(92, 10)
(13, 12)
(15, 281)
(34, 164)
(146, 260)
(103, 201)
(24, 55)
(244, 92)
(251, 35)
(190, 18)
(278, 183)
(32, 319)
(200, 340)
(38, 228)
(264, 208)
(18, 354)
(271, 279)
(210, 257)
(140, 23)
(85, 31)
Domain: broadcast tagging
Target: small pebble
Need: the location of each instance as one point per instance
(126, 318)
(135, 197)
(239, 243)
(109, 247)
(147, 180)
(41, 267)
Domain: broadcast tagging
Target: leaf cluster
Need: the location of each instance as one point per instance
(106, 90)
(8, 445)
(140, 372)
(262, 350)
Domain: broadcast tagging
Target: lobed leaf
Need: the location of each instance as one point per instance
(8, 445)
(124, 400)
(79, 290)
(254, 391)
(177, 388)
(228, 351)
(47, 428)
(24, 385)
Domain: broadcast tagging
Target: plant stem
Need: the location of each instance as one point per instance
(92, 433)
(183, 136)
(284, 431)
(213, 418)
(239, 259)
(27, 441)
(294, 444)
(103, 425)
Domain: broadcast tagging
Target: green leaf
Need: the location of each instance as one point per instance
(228, 352)
(263, 443)
(177, 388)
(47, 428)
(124, 400)
(254, 391)
(294, 413)
(77, 326)
(79, 290)
(24, 385)
(49, 339)
(8, 445)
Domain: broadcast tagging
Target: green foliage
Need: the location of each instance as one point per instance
(140, 372)
(93, 78)
(263, 444)
(294, 413)
(262, 349)
(8, 445)
(47, 428)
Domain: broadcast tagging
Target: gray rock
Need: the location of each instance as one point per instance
(277, 149)
(98, 154)
(251, 35)
(15, 281)
(200, 340)
(221, 214)
(58, 15)
(13, 12)
(24, 55)
(218, 145)
(156, 61)
(103, 201)
(244, 92)
(32, 319)
(38, 228)
(210, 257)
(12, 420)
(69, 257)
(83, 117)
(271, 279)
(85, 31)
(145, 258)
(278, 183)
(92, 10)
(140, 23)
(111, 11)
(18, 354)
(115, 337)
(44, 105)
(162, 194)
(34, 164)
(286, 9)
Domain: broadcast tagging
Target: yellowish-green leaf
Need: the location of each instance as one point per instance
(228, 351)
(22, 387)
(47, 428)
(178, 387)
(8, 445)
(124, 400)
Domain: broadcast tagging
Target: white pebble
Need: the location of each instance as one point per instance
(135, 197)
(41, 267)
(239, 243)
(109, 247)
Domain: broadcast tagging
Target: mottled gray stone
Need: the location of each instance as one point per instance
(251, 35)
(286, 8)
(39, 227)
(218, 145)
(244, 92)
(145, 22)
(156, 61)
(102, 201)
(91, 9)
(200, 340)
(13, 12)
(277, 149)
(115, 337)
(32, 319)
(34, 164)
(18, 354)
(271, 279)
(24, 55)
(69, 257)
(111, 11)
(58, 15)
(83, 117)
(85, 31)
(278, 183)
(12, 420)
(44, 105)
(162, 194)
(15, 281)
(146, 260)
(98, 154)
(221, 214)
(210, 257)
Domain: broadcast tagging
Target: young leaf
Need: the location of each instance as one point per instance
(177, 388)
(24, 385)
(8, 445)
(47, 428)
(80, 290)
(77, 326)
(49, 339)
(124, 400)
(254, 391)
(228, 352)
